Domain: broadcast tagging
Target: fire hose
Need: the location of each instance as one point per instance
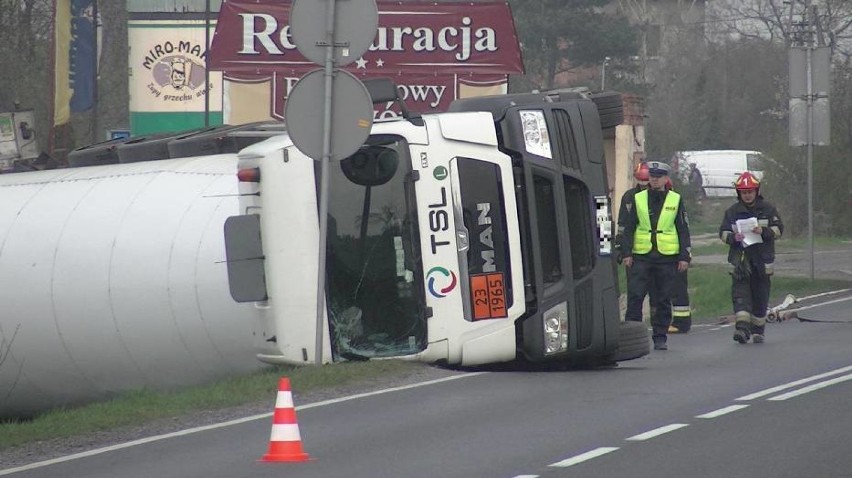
(777, 313)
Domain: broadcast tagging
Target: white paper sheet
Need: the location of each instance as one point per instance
(744, 227)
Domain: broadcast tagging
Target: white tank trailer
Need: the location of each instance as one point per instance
(113, 278)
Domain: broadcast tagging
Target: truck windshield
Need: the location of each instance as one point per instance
(373, 269)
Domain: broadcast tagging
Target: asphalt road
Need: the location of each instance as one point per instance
(707, 407)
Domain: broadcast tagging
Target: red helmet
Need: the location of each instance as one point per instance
(641, 172)
(747, 181)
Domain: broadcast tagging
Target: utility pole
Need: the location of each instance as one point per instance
(809, 65)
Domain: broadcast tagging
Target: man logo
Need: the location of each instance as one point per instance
(442, 275)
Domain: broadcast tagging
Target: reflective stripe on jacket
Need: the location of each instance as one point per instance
(666, 232)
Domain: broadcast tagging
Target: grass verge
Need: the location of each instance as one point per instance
(710, 290)
(143, 406)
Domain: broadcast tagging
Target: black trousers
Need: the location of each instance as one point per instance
(657, 280)
(681, 310)
(751, 294)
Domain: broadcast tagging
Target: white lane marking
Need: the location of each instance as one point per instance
(722, 411)
(840, 291)
(811, 388)
(526, 476)
(657, 432)
(238, 421)
(584, 456)
(387, 390)
(821, 304)
(770, 391)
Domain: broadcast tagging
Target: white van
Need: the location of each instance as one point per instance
(719, 168)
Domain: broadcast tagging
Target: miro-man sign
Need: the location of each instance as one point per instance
(429, 48)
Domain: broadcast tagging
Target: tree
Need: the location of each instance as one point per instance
(780, 20)
(729, 89)
(562, 35)
(25, 27)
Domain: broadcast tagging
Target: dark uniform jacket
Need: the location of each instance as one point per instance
(655, 205)
(626, 207)
(759, 254)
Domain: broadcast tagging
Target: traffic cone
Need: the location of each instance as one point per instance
(285, 442)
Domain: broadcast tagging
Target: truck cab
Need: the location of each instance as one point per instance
(476, 236)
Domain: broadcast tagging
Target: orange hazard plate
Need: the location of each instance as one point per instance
(488, 294)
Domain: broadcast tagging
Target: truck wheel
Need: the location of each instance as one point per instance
(610, 108)
(633, 341)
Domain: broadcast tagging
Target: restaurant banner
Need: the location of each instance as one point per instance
(253, 37)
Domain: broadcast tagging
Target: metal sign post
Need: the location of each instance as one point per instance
(809, 67)
(341, 44)
(326, 157)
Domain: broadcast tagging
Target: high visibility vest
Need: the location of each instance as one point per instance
(666, 232)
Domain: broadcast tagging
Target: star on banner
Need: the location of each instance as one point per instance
(380, 62)
(362, 63)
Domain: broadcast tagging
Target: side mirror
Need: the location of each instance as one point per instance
(371, 165)
(383, 90)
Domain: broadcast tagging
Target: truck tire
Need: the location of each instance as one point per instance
(633, 341)
(610, 108)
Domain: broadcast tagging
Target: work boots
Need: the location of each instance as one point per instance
(742, 327)
(758, 324)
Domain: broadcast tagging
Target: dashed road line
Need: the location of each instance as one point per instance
(722, 411)
(584, 456)
(811, 388)
(597, 452)
(657, 432)
(770, 391)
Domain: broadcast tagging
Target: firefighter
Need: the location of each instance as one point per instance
(752, 259)
(655, 246)
(681, 310)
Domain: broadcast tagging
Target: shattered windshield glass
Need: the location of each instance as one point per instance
(374, 280)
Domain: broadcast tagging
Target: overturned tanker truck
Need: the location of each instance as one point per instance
(476, 236)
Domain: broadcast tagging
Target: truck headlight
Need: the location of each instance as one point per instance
(556, 329)
(536, 137)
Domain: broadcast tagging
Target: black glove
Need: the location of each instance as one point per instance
(742, 270)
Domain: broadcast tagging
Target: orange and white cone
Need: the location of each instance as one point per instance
(285, 442)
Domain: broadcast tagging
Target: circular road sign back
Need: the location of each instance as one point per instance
(355, 24)
(351, 114)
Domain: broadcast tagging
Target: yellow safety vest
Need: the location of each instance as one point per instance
(666, 232)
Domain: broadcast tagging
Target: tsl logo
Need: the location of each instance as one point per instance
(440, 281)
